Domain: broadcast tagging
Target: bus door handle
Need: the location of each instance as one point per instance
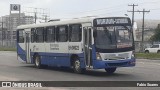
(90, 48)
(86, 45)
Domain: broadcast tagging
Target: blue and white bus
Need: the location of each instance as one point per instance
(86, 43)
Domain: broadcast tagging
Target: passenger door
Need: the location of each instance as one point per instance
(27, 46)
(87, 37)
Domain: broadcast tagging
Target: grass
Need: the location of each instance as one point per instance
(148, 56)
(7, 49)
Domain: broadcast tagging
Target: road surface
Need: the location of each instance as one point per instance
(12, 70)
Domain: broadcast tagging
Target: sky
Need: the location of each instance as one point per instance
(66, 9)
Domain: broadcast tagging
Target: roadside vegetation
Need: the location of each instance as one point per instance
(156, 36)
(152, 56)
(7, 49)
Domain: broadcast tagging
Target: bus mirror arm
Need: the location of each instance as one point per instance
(90, 48)
(94, 33)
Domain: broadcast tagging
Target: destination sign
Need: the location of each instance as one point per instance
(111, 21)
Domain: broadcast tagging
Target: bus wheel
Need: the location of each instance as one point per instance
(37, 62)
(110, 70)
(77, 66)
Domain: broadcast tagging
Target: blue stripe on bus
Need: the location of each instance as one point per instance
(80, 55)
(57, 59)
(21, 53)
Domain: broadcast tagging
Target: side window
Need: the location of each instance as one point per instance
(50, 34)
(40, 34)
(20, 36)
(155, 46)
(62, 33)
(33, 35)
(75, 33)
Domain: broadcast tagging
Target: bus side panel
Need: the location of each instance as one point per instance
(43, 58)
(21, 51)
(93, 54)
(32, 54)
(82, 60)
(36, 48)
(57, 59)
(57, 54)
(53, 59)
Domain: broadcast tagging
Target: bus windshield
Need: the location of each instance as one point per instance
(113, 37)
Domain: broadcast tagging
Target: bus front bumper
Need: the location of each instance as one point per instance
(101, 64)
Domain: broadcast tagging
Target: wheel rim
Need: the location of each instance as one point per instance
(77, 65)
(37, 61)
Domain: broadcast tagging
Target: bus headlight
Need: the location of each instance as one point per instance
(98, 56)
(133, 54)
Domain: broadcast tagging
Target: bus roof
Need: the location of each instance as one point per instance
(72, 21)
(65, 22)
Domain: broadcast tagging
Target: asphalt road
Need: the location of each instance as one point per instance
(12, 70)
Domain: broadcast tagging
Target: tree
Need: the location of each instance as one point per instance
(156, 36)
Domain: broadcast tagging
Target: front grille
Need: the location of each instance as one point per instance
(117, 64)
(115, 58)
(121, 56)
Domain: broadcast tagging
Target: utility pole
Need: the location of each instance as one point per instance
(143, 27)
(45, 18)
(38, 13)
(19, 18)
(144, 11)
(35, 17)
(133, 5)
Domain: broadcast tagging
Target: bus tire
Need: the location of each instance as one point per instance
(77, 66)
(37, 62)
(110, 70)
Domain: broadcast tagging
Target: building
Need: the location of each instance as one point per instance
(149, 29)
(10, 23)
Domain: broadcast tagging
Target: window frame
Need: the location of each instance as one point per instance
(54, 34)
(79, 34)
(39, 36)
(33, 35)
(58, 33)
(18, 37)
